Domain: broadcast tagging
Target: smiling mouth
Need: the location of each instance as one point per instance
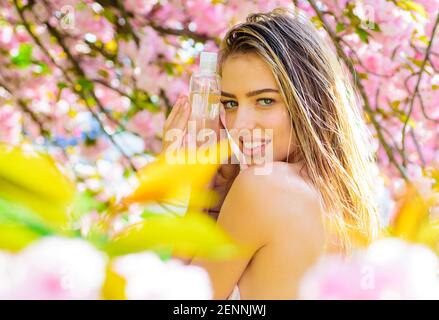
(250, 148)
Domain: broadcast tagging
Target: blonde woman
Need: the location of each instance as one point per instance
(278, 74)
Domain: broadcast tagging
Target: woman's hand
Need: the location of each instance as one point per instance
(226, 173)
(177, 119)
(223, 179)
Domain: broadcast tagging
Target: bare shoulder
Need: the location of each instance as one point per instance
(281, 186)
(275, 201)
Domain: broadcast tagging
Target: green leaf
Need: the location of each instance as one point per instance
(164, 254)
(403, 118)
(169, 68)
(12, 213)
(91, 101)
(340, 27)
(86, 85)
(350, 14)
(109, 15)
(150, 214)
(416, 62)
(395, 104)
(373, 26)
(193, 234)
(424, 39)
(44, 68)
(62, 85)
(85, 202)
(412, 6)
(19, 226)
(363, 34)
(23, 58)
(141, 101)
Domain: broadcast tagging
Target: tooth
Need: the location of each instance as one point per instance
(250, 145)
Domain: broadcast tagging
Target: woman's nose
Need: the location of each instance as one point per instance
(244, 118)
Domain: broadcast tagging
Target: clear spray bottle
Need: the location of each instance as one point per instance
(205, 93)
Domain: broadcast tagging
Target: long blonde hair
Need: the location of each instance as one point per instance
(332, 139)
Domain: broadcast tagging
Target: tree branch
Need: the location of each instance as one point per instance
(418, 82)
(361, 89)
(78, 70)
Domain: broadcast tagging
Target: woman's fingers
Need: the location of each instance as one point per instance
(175, 110)
(182, 117)
(173, 117)
(177, 119)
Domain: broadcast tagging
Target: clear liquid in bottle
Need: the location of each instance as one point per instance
(204, 98)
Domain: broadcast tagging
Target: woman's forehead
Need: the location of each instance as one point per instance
(246, 72)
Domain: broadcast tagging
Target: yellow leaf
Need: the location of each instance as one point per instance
(424, 39)
(411, 217)
(114, 285)
(429, 235)
(410, 5)
(435, 175)
(14, 237)
(192, 234)
(33, 180)
(170, 175)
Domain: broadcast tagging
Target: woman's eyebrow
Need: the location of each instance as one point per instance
(256, 92)
(251, 93)
(226, 94)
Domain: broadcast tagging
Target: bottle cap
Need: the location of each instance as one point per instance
(208, 62)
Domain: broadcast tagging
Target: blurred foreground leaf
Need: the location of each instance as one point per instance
(193, 234)
(412, 221)
(19, 226)
(114, 285)
(169, 176)
(14, 237)
(32, 179)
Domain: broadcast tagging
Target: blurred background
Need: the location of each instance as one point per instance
(91, 83)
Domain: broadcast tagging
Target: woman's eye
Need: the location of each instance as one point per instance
(265, 101)
(229, 104)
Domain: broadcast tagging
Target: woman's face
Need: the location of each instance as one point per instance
(254, 111)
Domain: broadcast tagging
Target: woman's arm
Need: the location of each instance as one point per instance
(240, 218)
(280, 217)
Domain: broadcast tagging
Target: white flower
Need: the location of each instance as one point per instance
(53, 268)
(150, 278)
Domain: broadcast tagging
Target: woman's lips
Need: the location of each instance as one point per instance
(251, 148)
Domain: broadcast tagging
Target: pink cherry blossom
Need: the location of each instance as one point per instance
(53, 268)
(10, 125)
(388, 269)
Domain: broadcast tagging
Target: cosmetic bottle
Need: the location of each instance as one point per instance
(205, 93)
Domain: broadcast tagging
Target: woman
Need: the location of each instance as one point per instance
(278, 74)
